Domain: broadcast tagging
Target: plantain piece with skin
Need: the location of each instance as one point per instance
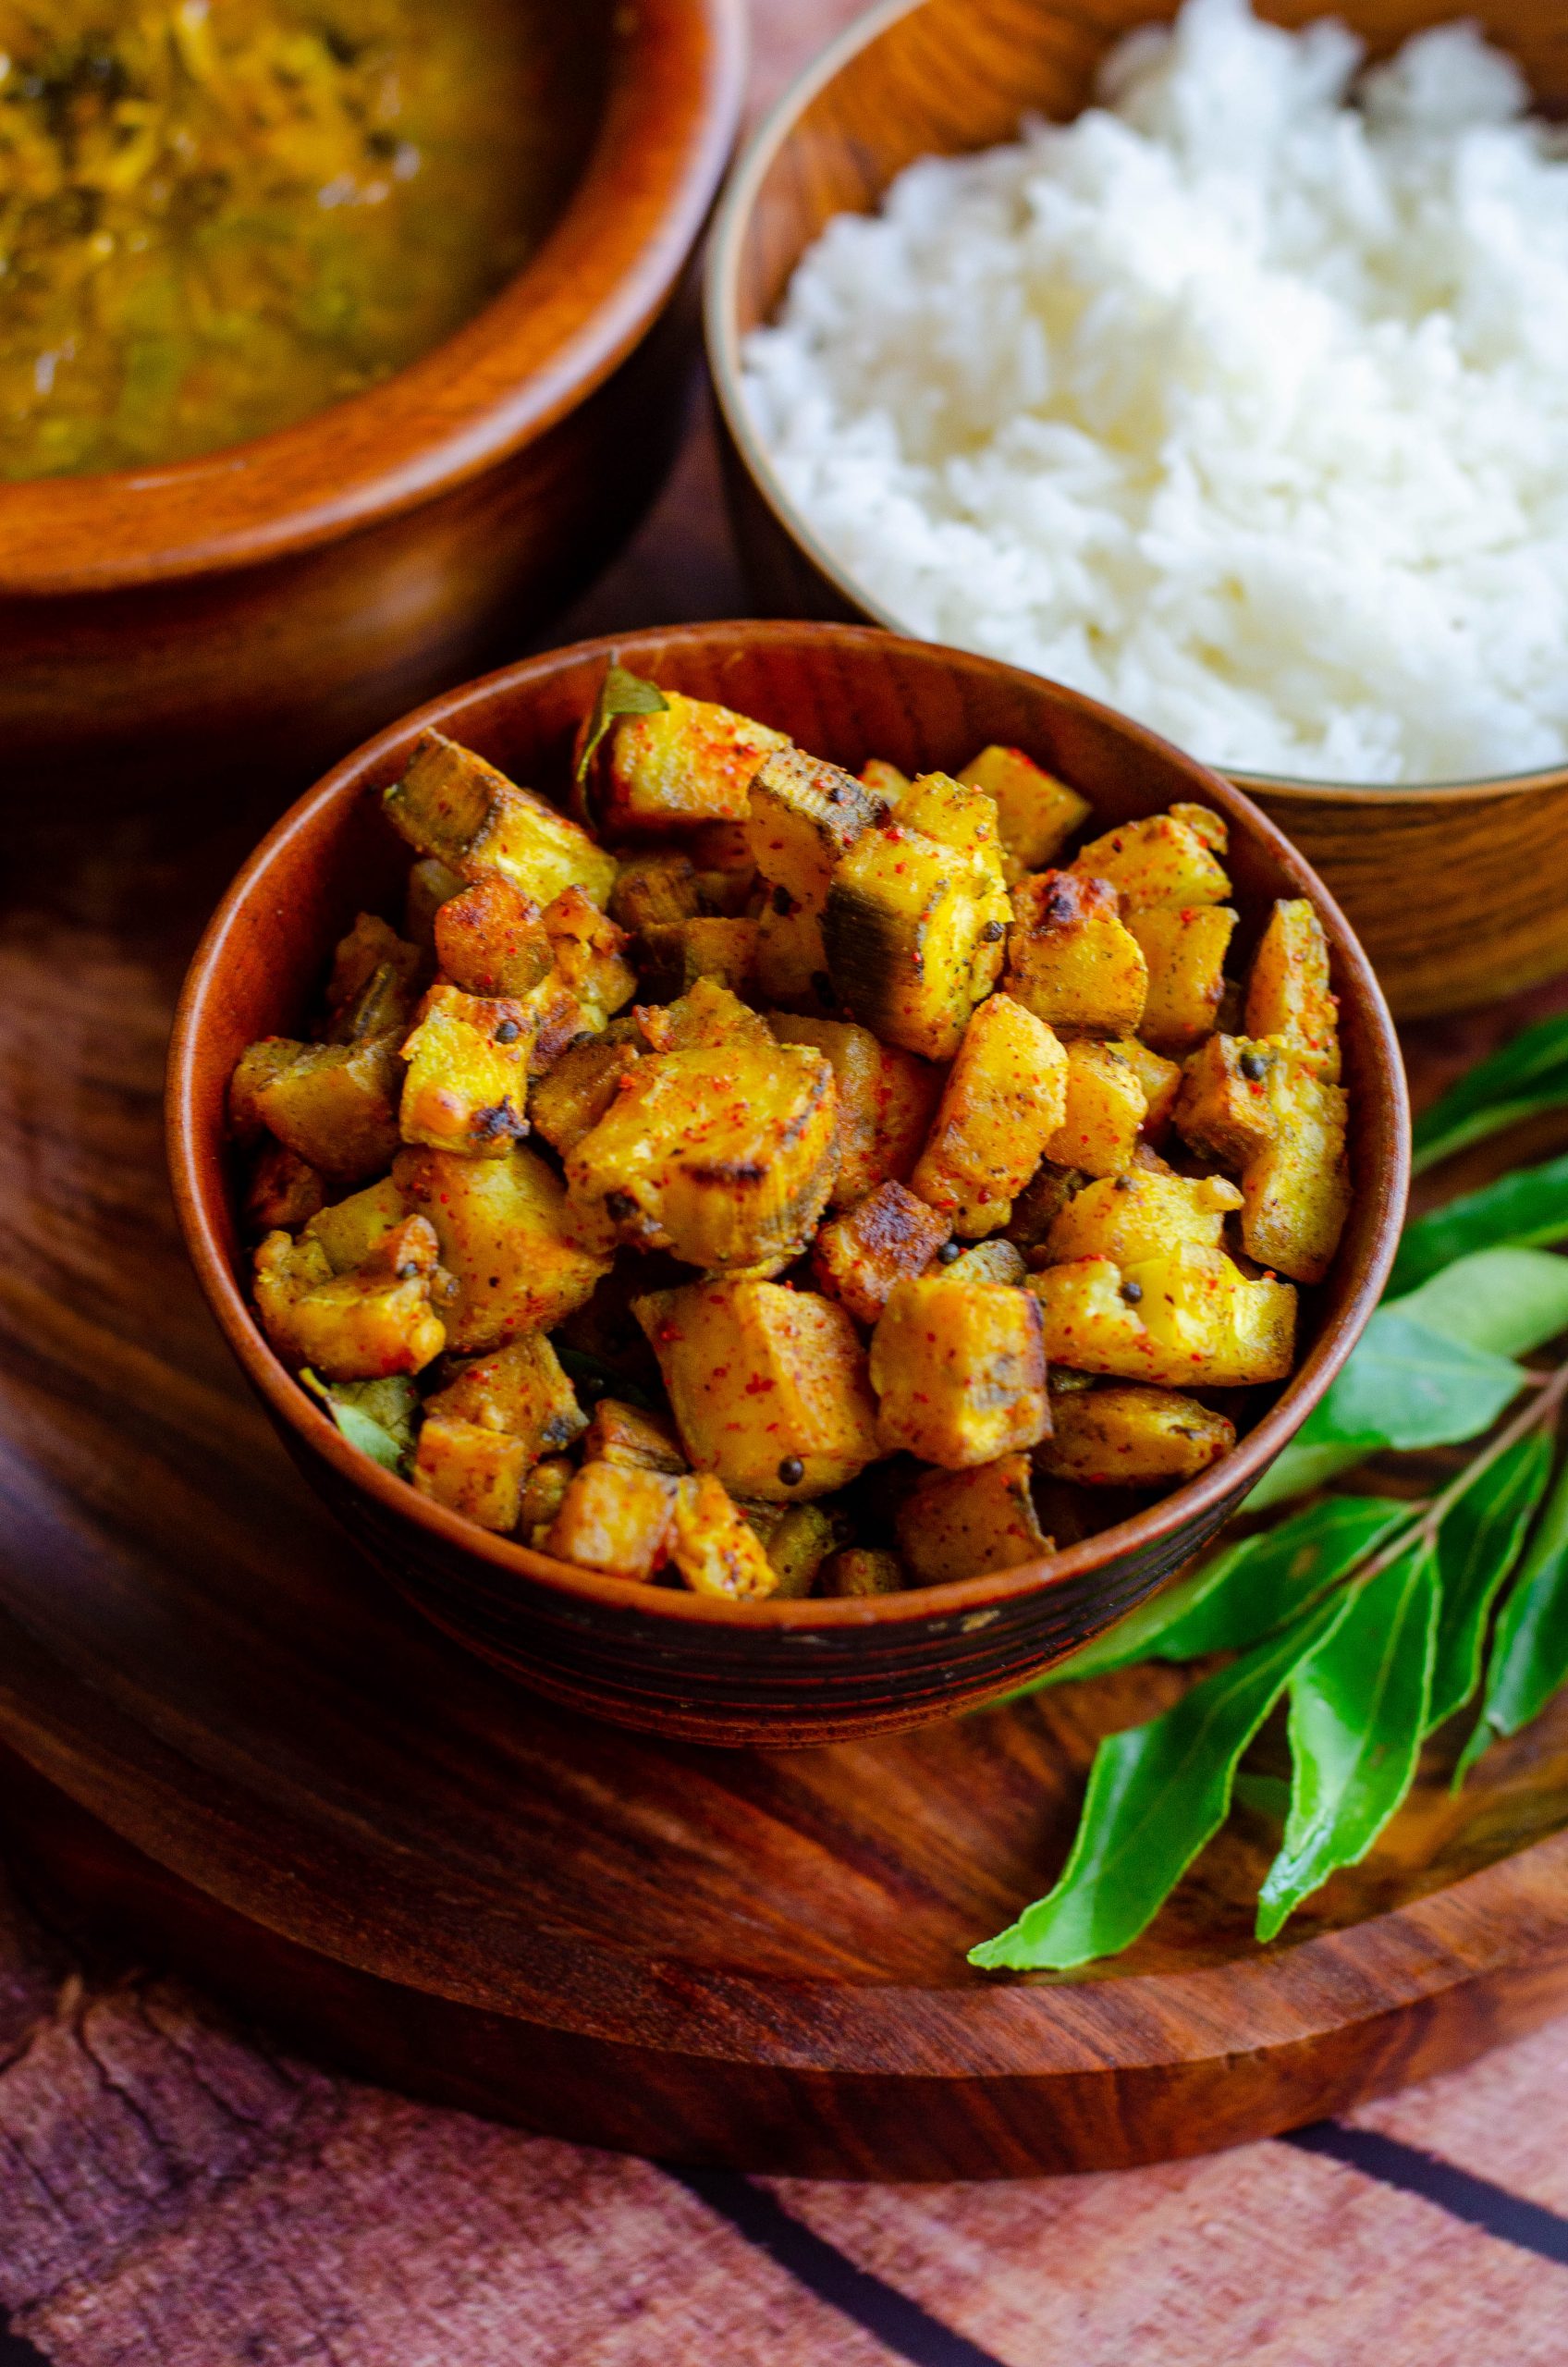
(1036, 812)
(544, 1493)
(431, 884)
(1106, 1110)
(995, 1260)
(1168, 859)
(690, 762)
(959, 1371)
(885, 1101)
(503, 1227)
(334, 1105)
(615, 1518)
(491, 940)
(1255, 1103)
(805, 815)
(1185, 946)
(450, 803)
(371, 985)
(622, 1433)
(1189, 1318)
(914, 931)
(768, 1386)
(715, 1547)
(861, 1571)
(655, 889)
(1128, 1436)
(1290, 993)
(1070, 958)
(570, 1100)
(725, 1156)
(798, 1546)
(724, 950)
(1005, 1099)
(378, 1318)
(889, 1236)
(961, 1524)
(467, 1084)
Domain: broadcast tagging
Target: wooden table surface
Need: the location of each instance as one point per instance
(174, 2192)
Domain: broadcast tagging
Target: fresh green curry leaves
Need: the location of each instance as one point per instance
(1526, 1209)
(1527, 1076)
(1530, 1654)
(375, 1416)
(1158, 1794)
(620, 694)
(1504, 1301)
(1358, 1710)
(1479, 1544)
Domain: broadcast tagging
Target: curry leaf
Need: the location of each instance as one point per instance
(1505, 1300)
(1527, 1076)
(1158, 1793)
(375, 1416)
(1479, 1544)
(1297, 1469)
(1526, 1209)
(1358, 1709)
(1407, 1386)
(620, 694)
(1529, 1655)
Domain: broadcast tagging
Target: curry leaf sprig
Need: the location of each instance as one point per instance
(1367, 1614)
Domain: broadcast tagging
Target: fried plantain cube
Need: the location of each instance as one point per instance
(887, 1237)
(1189, 1320)
(590, 956)
(581, 1086)
(885, 1101)
(913, 932)
(715, 1547)
(1290, 995)
(1185, 946)
(791, 964)
(691, 762)
(622, 1433)
(962, 817)
(1295, 1192)
(768, 1386)
(705, 1018)
(1106, 1111)
(885, 781)
(1127, 1436)
(962, 1524)
(1141, 1215)
(283, 1192)
(1161, 1081)
(352, 1230)
(724, 950)
(798, 1548)
(467, 1080)
(1037, 1207)
(472, 1470)
(805, 815)
(614, 1518)
(1036, 813)
(996, 1260)
(371, 985)
(452, 804)
(1165, 860)
(1070, 960)
(334, 1105)
(363, 1325)
(960, 1372)
(1223, 1110)
(725, 1156)
(503, 1237)
(655, 890)
(1004, 1100)
(521, 1388)
(491, 940)
(862, 1570)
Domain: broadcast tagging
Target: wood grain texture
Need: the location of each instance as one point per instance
(1459, 895)
(247, 614)
(665, 1659)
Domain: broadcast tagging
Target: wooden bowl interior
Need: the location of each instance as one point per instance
(846, 692)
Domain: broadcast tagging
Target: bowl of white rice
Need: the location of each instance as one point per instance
(1215, 365)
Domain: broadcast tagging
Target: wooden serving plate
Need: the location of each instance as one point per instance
(221, 1724)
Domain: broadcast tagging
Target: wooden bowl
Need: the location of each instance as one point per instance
(254, 611)
(1459, 893)
(678, 1663)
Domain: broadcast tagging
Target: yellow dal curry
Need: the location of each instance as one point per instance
(219, 216)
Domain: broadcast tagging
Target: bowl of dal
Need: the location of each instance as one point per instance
(338, 344)
(1205, 364)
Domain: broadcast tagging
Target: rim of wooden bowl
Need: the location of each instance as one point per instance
(551, 336)
(200, 1185)
(721, 317)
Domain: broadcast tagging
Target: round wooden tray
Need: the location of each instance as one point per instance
(219, 1723)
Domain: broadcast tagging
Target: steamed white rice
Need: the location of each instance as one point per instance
(1241, 402)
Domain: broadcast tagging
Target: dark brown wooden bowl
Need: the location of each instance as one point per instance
(675, 1663)
(254, 611)
(1458, 893)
